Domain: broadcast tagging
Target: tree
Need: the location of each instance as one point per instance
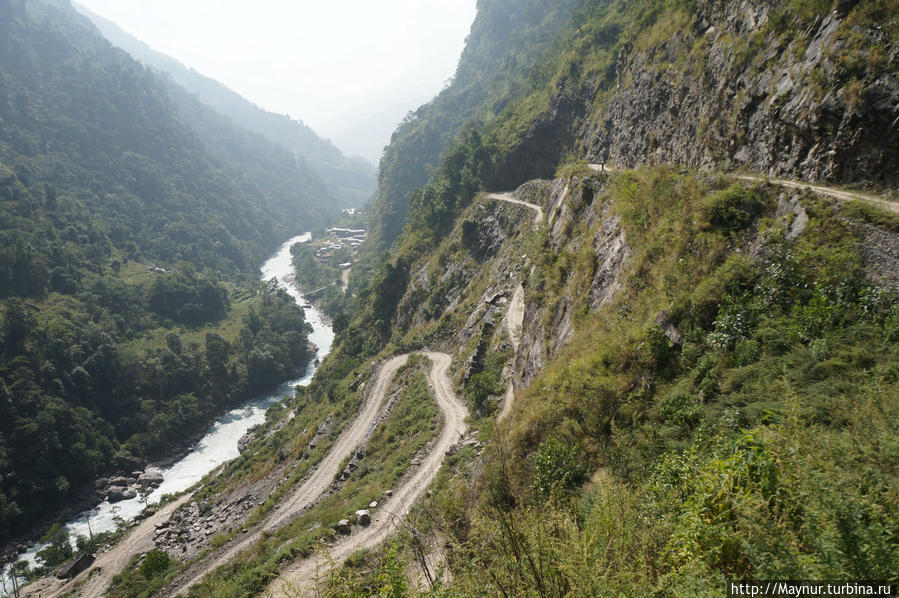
(58, 547)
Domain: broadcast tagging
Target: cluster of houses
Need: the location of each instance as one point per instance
(341, 239)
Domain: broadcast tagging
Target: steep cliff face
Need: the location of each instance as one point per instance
(565, 265)
(805, 89)
(507, 39)
(736, 84)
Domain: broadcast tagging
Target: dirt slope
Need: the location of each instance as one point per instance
(316, 484)
(300, 578)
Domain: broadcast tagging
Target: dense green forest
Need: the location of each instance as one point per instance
(129, 243)
(499, 61)
(351, 181)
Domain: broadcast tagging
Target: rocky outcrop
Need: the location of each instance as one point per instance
(151, 477)
(880, 254)
(81, 563)
(577, 216)
(733, 88)
(480, 241)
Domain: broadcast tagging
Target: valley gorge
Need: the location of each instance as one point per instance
(625, 319)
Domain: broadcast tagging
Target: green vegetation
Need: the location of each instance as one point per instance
(486, 383)
(760, 446)
(755, 442)
(497, 64)
(129, 242)
(351, 181)
(413, 421)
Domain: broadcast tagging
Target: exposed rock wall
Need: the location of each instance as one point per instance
(494, 249)
(577, 218)
(733, 89)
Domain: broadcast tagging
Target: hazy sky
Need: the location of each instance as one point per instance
(351, 69)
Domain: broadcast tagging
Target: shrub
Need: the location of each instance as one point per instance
(729, 210)
(156, 562)
(557, 466)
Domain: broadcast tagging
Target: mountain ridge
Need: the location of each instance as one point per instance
(125, 233)
(351, 179)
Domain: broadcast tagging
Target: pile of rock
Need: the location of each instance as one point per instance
(127, 486)
(190, 528)
(469, 442)
(75, 566)
(361, 517)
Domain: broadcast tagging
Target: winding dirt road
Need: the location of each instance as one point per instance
(314, 486)
(300, 578)
(514, 321)
(509, 197)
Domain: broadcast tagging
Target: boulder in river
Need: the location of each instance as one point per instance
(151, 477)
(119, 493)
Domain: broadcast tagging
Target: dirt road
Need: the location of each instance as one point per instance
(514, 320)
(509, 197)
(829, 191)
(313, 487)
(300, 578)
(110, 563)
(838, 194)
(515, 316)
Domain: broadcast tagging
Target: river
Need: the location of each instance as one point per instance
(219, 445)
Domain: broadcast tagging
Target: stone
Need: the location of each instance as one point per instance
(76, 566)
(373, 504)
(115, 493)
(151, 478)
(669, 329)
(343, 526)
(363, 517)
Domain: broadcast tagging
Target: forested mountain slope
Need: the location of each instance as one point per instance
(351, 181)
(102, 357)
(704, 383)
(805, 89)
(676, 377)
(499, 62)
